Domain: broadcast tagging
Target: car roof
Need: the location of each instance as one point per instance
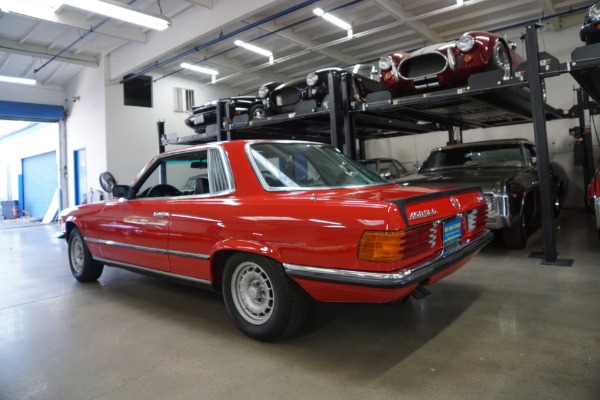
(486, 143)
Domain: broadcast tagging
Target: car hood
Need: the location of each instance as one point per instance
(486, 178)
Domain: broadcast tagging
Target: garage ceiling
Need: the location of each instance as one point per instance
(54, 46)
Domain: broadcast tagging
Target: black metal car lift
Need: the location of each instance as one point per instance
(486, 101)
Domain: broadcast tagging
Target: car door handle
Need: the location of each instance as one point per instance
(159, 214)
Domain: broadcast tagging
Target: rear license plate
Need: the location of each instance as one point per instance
(452, 233)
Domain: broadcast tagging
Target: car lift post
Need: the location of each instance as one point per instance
(335, 114)
(541, 141)
(349, 139)
(583, 108)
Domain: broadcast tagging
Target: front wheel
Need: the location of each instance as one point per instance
(513, 236)
(257, 111)
(264, 303)
(501, 60)
(83, 266)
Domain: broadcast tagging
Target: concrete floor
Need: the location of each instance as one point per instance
(502, 327)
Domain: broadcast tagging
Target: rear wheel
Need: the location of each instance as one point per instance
(83, 266)
(501, 60)
(264, 303)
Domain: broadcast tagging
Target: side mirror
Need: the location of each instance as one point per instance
(121, 191)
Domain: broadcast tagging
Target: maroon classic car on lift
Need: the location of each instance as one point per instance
(447, 64)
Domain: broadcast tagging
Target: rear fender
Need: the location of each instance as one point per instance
(226, 248)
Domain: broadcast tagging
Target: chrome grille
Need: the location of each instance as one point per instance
(423, 65)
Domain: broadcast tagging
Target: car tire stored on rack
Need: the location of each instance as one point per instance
(83, 266)
(264, 303)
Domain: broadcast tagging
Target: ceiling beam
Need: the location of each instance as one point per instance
(9, 46)
(75, 20)
(305, 42)
(548, 7)
(398, 12)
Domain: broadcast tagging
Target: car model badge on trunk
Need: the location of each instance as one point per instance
(455, 202)
(422, 214)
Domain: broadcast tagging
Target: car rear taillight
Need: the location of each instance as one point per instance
(390, 246)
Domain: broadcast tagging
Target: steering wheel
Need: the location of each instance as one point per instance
(163, 190)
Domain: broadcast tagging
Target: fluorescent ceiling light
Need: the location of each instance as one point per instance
(253, 48)
(12, 79)
(459, 2)
(203, 70)
(120, 11)
(333, 19)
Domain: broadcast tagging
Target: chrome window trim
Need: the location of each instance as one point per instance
(148, 249)
(268, 188)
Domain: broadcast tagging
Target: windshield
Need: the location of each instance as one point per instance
(298, 166)
(483, 156)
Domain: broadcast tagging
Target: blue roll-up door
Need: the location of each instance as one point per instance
(31, 111)
(40, 181)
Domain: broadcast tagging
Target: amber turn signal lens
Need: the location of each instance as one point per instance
(387, 75)
(467, 58)
(381, 246)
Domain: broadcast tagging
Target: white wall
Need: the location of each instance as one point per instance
(412, 150)
(86, 125)
(132, 132)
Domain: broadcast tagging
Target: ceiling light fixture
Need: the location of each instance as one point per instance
(255, 49)
(120, 11)
(459, 2)
(202, 70)
(21, 81)
(334, 20)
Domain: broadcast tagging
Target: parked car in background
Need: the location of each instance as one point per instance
(315, 86)
(272, 223)
(387, 168)
(202, 116)
(593, 195)
(590, 29)
(506, 171)
(447, 64)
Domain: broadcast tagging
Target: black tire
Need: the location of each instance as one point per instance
(514, 236)
(257, 111)
(83, 266)
(501, 60)
(264, 303)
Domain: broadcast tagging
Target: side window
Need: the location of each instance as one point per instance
(177, 175)
(219, 176)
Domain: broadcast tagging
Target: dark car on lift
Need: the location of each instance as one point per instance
(506, 171)
(283, 98)
(590, 29)
(388, 168)
(202, 116)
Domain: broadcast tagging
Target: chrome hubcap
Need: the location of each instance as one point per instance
(77, 255)
(252, 293)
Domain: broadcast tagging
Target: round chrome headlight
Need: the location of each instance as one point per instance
(312, 79)
(263, 92)
(465, 43)
(385, 63)
(594, 12)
